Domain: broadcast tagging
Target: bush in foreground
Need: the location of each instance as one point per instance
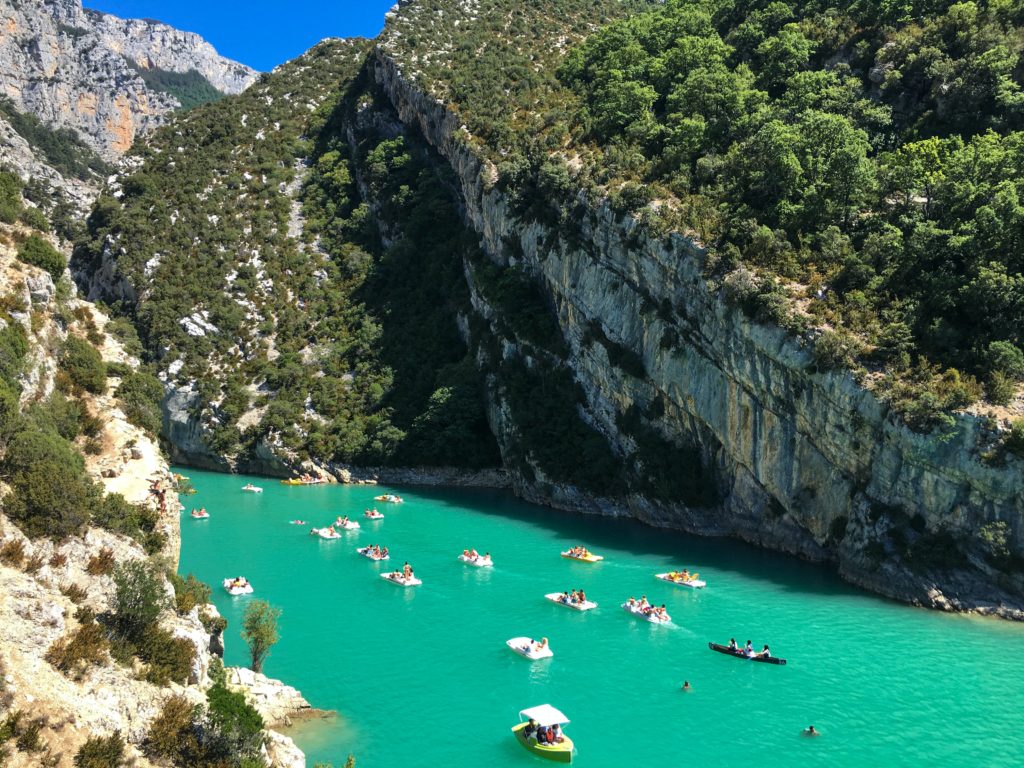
(100, 752)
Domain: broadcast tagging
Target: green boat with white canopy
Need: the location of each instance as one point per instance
(544, 716)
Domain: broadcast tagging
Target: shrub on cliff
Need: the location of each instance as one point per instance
(74, 653)
(189, 592)
(169, 658)
(238, 727)
(38, 252)
(84, 366)
(1015, 440)
(139, 598)
(101, 752)
(141, 394)
(50, 492)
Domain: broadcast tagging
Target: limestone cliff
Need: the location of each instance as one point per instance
(80, 69)
(804, 462)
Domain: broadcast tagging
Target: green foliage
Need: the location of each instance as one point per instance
(141, 394)
(138, 521)
(10, 197)
(50, 493)
(38, 252)
(1015, 440)
(234, 720)
(84, 647)
(62, 148)
(84, 365)
(259, 630)
(189, 592)
(190, 88)
(139, 598)
(101, 752)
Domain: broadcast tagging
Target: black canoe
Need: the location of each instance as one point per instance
(741, 655)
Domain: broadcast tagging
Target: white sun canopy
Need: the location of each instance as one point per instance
(544, 714)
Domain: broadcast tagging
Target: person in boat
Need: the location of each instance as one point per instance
(582, 596)
(764, 653)
(810, 730)
(383, 552)
(543, 735)
(542, 644)
(748, 650)
(407, 571)
(465, 553)
(487, 555)
(732, 644)
(555, 734)
(685, 575)
(530, 729)
(631, 603)
(474, 554)
(565, 598)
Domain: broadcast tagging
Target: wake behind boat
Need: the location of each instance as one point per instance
(542, 734)
(237, 586)
(741, 654)
(564, 598)
(682, 578)
(529, 648)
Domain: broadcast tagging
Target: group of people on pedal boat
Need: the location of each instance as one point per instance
(404, 575)
(641, 606)
(373, 514)
(543, 734)
(239, 582)
(535, 645)
(200, 513)
(683, 575)
(748, 650)
(576, 597)
(375, 551)
(474, 556)
(580, 552)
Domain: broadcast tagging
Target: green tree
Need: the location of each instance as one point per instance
(139, 598)
(84, 365)
(38, 252)
(259, 630)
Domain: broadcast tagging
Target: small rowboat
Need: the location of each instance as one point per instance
(693, 582)
(390, 498)
(590, 557)
(480, 561)
(368, 552)
(199, 515)
(400, 580)
(325, 533)
(250, 488)
(373, 515)
(527, 648)
(651, 617)
(556, 597)
(235, 587)
(545, 715)
(741, 655)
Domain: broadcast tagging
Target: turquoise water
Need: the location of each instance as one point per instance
(422, 676)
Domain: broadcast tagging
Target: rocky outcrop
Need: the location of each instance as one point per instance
(278, 704)
(805, 462)
(79, 69)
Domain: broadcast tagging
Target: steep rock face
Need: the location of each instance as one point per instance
(70, 68)
(804, 462)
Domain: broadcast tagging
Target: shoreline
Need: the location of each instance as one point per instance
(898, 583)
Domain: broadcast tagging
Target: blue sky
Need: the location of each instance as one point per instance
(260, 33)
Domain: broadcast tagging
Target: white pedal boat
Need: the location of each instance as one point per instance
(693, 582)
(233, 588)
(325, 533)
(556, 597)
(348, 525)
(199, 515)
(649, 617)
(527, 648)
(368, 553)
(401, 580)
(479, 561)
(250, 488)
(374, 515)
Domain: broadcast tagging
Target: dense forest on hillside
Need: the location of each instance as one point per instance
(311, 319)
(854, 168)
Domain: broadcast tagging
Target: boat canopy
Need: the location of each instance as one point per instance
(544, 714)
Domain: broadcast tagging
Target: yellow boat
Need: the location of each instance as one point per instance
(300, 481)
(545, 716)
(590, 557)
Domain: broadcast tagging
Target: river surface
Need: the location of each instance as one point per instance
(422, 677)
